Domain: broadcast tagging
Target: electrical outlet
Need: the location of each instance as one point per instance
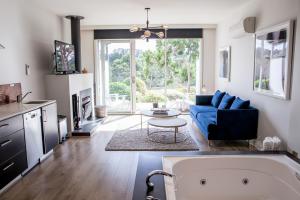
(27, 72)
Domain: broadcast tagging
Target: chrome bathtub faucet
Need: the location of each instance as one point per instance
(150, 185)
(151, 198)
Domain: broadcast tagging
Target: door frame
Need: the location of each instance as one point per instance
(102, 81)
(100, 73)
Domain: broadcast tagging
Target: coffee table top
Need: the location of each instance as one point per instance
(171, 113)
(167, 123)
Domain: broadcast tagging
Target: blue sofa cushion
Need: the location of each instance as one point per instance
(217, 98)
(209, 116)
(199, 109)
(226, 101)
(207, 122)
(240, 104)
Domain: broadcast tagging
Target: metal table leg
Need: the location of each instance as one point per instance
(147, 129)
(141, 122)
(176, 131)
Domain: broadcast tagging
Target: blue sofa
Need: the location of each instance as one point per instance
(224, 124)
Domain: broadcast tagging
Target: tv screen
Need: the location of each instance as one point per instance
(64, 57)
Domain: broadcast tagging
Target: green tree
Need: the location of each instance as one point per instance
(181, 56)
(120, 65)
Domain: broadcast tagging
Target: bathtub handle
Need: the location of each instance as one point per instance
(150, 185)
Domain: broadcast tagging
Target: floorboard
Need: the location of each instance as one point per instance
(81, 169)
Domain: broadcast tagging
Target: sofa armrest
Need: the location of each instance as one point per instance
(239, 124)
(203, 99)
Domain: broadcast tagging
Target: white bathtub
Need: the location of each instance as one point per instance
(230, 177)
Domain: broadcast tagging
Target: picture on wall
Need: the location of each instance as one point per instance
(273, 60)
(225, 62)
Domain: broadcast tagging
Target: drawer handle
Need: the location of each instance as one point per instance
(5, 143)
(3, 125)
(8, 166)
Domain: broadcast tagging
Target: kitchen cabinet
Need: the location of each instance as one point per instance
(13, 159)
(49, 127)
(26, 135)
(12, 168)
(11, 145)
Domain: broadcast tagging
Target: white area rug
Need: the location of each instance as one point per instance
(138, 140)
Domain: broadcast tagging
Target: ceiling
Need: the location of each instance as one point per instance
(127, 12)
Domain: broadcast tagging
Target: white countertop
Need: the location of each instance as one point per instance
(14, 109)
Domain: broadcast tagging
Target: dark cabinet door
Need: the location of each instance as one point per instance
(11, 168)
(50, 127)
(11, 145)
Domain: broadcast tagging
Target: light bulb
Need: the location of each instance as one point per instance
(134, 28)
(160, 34)
(147, 33)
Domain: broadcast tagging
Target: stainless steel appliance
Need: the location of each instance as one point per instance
(50, 127)
(33, 137)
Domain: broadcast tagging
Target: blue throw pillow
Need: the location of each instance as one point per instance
(240, 104)
(226, 101)
(217, 98)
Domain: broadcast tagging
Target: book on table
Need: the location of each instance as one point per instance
(160, 112)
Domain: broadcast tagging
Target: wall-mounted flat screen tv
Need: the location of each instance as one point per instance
(64, 57)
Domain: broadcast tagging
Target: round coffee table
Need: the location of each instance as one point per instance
(149, 113)
(169, 123)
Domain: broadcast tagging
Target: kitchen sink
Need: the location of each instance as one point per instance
(36, 102)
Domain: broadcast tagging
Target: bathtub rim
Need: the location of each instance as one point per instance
(149, 160)
(169, 161)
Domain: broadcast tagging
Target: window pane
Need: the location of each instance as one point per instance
(172, 84)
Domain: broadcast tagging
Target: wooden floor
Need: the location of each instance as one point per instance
(81, 169)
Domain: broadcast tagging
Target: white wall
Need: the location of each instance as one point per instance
(208, 68)
(277, 117)
(28, 33)
(294, 131)
(87, 50)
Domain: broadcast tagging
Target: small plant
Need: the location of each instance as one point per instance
(119, 88)
(174, 95)
(152, 97)
(264, 84)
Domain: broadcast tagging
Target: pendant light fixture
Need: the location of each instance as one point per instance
(147, 31)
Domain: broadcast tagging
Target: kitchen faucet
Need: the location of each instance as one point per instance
(150, 185)
(20, 97)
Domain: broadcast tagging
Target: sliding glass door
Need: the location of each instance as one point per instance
(136, 73)
(166, 72)
(117, 74)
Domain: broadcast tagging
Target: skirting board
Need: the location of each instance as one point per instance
(10, 184)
